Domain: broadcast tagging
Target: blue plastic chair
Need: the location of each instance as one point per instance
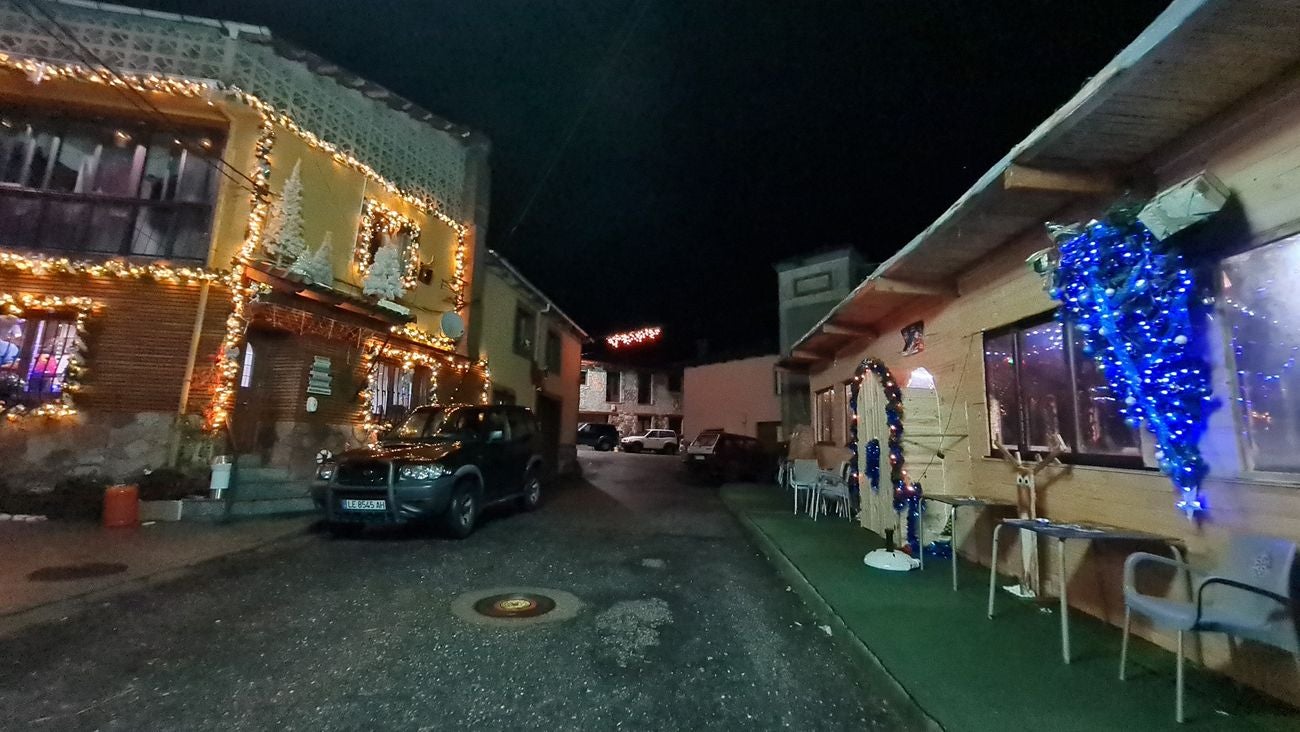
(1248, 596)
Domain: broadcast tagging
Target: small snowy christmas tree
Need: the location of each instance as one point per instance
(385, 277)
(318, 266)
(290, 243)
(271, 232)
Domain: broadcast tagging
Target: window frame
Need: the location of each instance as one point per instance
(179, 217)
(614, 379)
(553, 352)
(1026, 451)
(36, 324)
(824, 416)
(525, 323)
(645, 384)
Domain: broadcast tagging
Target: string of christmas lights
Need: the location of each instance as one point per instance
(907, 495)
(376, 218)
(22, 305)
(634, 337)
(1133, 301)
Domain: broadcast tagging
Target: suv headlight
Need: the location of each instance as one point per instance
(326, 471)
(421, 471)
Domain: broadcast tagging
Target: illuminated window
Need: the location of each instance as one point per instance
(246, 373)
(525, 331)
(824, 415)
(392, 390)
(1040, 383)
(106, 186)
(34, 357)
(1261, 310)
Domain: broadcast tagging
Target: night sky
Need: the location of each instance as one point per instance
(708, 139)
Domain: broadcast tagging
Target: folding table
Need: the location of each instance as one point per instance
(959, 502)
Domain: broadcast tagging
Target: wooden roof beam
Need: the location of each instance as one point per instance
(1024, 178)
(902, 287)
(849, 330)
(803, 354)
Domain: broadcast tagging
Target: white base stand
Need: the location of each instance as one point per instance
(893, 561)
(1020, 591)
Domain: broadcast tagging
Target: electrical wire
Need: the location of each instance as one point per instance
(616, 51)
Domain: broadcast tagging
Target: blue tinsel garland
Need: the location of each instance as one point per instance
(1134, 303)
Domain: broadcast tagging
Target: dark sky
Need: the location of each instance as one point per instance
(722, 136)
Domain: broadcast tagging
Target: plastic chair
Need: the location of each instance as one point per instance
(1248, 596)
(803, 476)
(835, 486)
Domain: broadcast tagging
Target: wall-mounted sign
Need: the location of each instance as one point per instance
(318, 379)
(913, 338)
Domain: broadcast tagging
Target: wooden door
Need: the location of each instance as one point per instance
(251, 395)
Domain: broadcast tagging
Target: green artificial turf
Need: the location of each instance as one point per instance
(971, 673)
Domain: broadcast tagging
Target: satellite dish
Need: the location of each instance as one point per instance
(453, 326)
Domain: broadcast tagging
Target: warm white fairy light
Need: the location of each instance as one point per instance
(22, 305)
(634, 337)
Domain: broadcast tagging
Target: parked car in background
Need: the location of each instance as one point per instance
(725, 457)
(443, 464)
(664, 441)
(603, 437)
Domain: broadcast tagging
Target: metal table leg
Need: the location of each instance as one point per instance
(952, 546)
(993, 567)
(1065, 602)
(920, 534)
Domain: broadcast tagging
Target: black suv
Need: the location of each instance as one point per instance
(603, 437)
(441, 463)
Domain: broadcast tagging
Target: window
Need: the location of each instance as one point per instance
(553, 350)
(105, 186)
(674, 381)
(644, 387)
(522, 425)
(824, 415)
(525, 331)
(848, 413)
(1040, 383)
(34, 357)
(812, 284)
(501, 395)
(582, 376)
(1261, 312)
(391, 390)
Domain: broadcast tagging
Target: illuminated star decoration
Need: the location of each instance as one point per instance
(1133, 301)
(634, 337)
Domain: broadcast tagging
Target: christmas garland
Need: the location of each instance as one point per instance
(1133, 302)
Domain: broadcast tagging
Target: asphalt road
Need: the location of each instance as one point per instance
(682, 626)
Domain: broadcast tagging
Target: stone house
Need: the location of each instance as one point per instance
(151, 312)
(633, 399)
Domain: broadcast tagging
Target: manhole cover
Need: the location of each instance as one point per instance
(75, 572)
(514, 605)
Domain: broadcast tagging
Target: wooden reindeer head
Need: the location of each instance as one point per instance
(1026, 481)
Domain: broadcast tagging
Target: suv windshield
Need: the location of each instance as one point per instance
(707, 439)
(437, 422)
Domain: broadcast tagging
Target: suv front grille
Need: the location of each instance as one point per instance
(363, 472)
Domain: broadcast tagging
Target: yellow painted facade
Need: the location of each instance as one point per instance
(333, 193)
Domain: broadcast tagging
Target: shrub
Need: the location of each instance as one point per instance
(169, 484)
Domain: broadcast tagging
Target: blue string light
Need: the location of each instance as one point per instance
(873, 463)
(1133, 302)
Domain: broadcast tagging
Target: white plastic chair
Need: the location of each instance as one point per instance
(836, 487)
(1249, 596)
(803, 476)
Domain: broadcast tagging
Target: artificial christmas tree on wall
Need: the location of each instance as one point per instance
(384, 280)
(289, 243)
(317, 266)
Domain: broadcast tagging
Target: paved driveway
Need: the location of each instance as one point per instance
(682, 626)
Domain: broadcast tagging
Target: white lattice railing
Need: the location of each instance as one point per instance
(415, 156)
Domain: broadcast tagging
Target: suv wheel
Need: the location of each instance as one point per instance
(462, 511)
(605, 445)
(532, 497)
(632, 447)
(669, 449)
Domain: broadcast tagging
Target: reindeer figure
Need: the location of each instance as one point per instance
(1027, 507)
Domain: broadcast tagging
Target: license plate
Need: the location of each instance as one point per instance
(361, 504)
(698, 457)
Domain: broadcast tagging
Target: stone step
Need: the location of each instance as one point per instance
(260, 475)
(269, 506)
(271, 490)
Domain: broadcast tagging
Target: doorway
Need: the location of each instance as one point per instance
(548, 418)
(251, 421)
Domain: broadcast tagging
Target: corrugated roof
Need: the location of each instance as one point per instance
(1191, 64)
